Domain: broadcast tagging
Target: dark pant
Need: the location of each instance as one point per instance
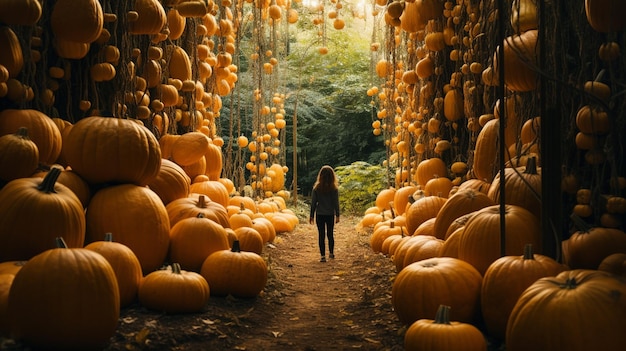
(325, 225)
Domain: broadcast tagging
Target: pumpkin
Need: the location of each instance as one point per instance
(421, 210)
(179, 64)
(215, 190)
(137, 217)
(429, 169)
(480, 243)
(411, 20)
(485, 163)
(151, 17)
(614, 263)
(265, 228)
(77, 21)
(522, 186)
(11, 56)
(176, 23)
(418, 248)
(193, 239)
(384, 199)
(590, 306)
(422, 286)
(450, 247)
(381, 233)
(174, 291)
(23, 13)
(520, 56)
(193, 205)
(249, 239)
(238, 273)
(33, 212)
(197, 170)
(131, 153)
(246, 201)
(441, 334)
(464, 201)
(241, 218)
(41, 130)
(505, 280)
(171, 182)
(524, 15)
(439, 186)
(66, 299)
(11, 267)
(73, 181)
(588, 246)
(189, 147)
(453, 105)
(125, 265)
(605, 15)
(6, 280)
(401, 198)
(19, 156)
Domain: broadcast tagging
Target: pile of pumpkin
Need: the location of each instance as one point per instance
(445, 245)
(94, 211)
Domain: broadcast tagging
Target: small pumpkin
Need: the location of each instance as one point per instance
(614, 263)
(589, 245)
(215, 190)
(125, 265)
(171, 182)
(441, 334)
(249, 239)
(235, 272)
(174, 291)
(65, 298)
(422, 210)
(19, 156)
(193, 239)
(41, 130)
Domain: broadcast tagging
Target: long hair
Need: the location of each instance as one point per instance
(326, 180)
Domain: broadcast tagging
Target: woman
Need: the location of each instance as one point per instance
(325, 208)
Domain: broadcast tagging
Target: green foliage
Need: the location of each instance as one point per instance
(359, 184)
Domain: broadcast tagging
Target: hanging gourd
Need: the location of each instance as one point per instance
(77, 21)
(520, 60)
(11, 56)
(179, 64)
(22, 13)
(606, 15)
(150, 17)
(524, 15)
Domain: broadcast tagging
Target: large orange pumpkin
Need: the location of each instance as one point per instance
(112, 150)
(65, 299)
(461, 203)
(137, 217)
(422, 210)
(193, 205)
(421, 287)
(591, 306)
(193, 239)
(41, 130)
(480, 243)
(33, 212)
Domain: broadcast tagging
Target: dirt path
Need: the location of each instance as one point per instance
(343, 304)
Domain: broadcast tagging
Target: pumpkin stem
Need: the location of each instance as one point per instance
(393, 213)
(528, 252)
(580, 224)
(108, 237)
(22, 132)
(570, 283)
(242, 206)
(443, 315)
(48, 182)
(176, 268)
(200, 215)
(201, 201)
(531, 165)
(60, 243)
(236, 247)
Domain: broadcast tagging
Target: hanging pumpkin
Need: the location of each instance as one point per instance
(33, 212)
(77, 21)
(592, 305)
(65, 299)
(421, 287)
(235, 272)
(606, 15)
(11, 56)
(193, 239)
(125, 265)
(520, 60)
(441, 334)
(41, 130)
(149, 17)
(505, 280)
(22, 13)
(19, 156)
(131, 153)
(138, 218)
(174, 291)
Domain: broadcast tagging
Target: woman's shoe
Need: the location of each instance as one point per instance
(332, 256)
(323, 259)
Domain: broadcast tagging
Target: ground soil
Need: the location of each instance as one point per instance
(343, 304)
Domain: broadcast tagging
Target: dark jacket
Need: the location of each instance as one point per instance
(325, 203)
